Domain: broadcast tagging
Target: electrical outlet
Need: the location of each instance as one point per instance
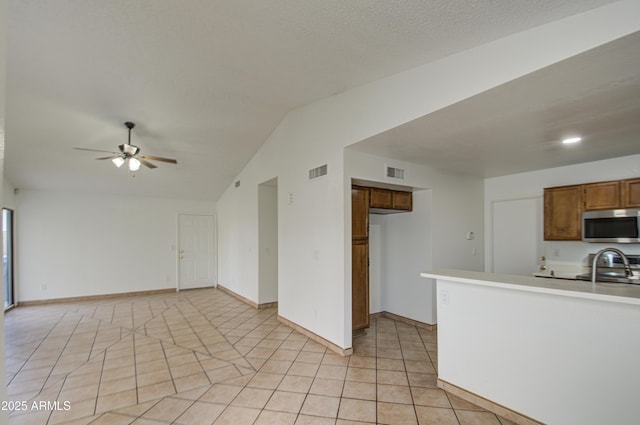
(444, 297)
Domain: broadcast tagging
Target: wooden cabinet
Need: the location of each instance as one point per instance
(360, 258)
(402, 200)
(386, 199)
(601, 196)
(359, 286)
(563, 206)
(381, 198)
(631, 193)
(365, 200)
(563, 213)
(612, 195)
(359, 212)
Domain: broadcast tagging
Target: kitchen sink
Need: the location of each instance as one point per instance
(611, 277)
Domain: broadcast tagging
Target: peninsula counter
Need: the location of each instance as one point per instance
(538, 350)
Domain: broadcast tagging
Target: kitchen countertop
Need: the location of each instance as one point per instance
(612, 292)
(556, 275)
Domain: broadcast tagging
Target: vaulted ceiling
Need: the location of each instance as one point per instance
(206, 82)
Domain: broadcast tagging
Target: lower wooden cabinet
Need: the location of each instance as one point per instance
(360, 285)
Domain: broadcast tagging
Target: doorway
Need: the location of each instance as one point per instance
(7, 257)
(516, 235)
(268, 242)
(197, 256)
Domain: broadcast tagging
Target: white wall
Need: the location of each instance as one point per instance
(432, 235)
(268, 250)
(314, 264)
(8, 195)
(3, 72)
(568, 254)
(83, 244)
(407, 252)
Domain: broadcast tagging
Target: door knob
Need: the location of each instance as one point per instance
(182, 251)
(181, 257)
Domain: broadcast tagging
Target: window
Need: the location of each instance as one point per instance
(7, 257)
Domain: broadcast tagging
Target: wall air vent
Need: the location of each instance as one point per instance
(396, 173)
(318, 172)
(237, 184)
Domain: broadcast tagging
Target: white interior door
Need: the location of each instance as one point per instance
(196, 251)
(517, 235)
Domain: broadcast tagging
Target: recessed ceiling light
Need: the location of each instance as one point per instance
(571, 140)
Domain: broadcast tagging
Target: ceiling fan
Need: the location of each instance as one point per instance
(131, 153)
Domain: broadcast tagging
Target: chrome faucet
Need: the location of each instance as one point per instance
(625, 262)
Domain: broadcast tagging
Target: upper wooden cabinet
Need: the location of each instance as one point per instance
(602, 196)
(631, 193)
(381, 198)
(391, 200)
(360, 212)
(563, 205)
(563, 213)
(402, 200)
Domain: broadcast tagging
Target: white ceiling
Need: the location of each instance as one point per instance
(207, 81)
(519, 126)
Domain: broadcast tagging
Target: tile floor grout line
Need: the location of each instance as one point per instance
(135, 367)
(191, 326)
(36, 348)
(234, 316)
(60, 355)
(95, 406)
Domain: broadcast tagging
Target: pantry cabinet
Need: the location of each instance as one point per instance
(365, 201)
(359, 258)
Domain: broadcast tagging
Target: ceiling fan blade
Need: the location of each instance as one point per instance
(96, 150)
(110, 157)
(158, 158)
(146, 163)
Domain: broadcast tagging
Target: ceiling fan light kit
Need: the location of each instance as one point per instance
(130, 153)
(118, 161)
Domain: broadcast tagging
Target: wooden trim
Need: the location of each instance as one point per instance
(95, 297)
(489, 405)
(317, 338)
(247, 300)
(403, 319)
(264, 306)
(238, 296)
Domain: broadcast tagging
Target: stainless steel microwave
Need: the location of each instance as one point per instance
(617, 226)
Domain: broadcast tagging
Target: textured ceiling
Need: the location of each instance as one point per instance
(519, 126)
(207, 81)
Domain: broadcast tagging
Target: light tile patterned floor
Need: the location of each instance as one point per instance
(202, 357)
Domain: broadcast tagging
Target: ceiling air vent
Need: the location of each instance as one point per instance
(237, 184)
(396, 173)
(318, 172)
